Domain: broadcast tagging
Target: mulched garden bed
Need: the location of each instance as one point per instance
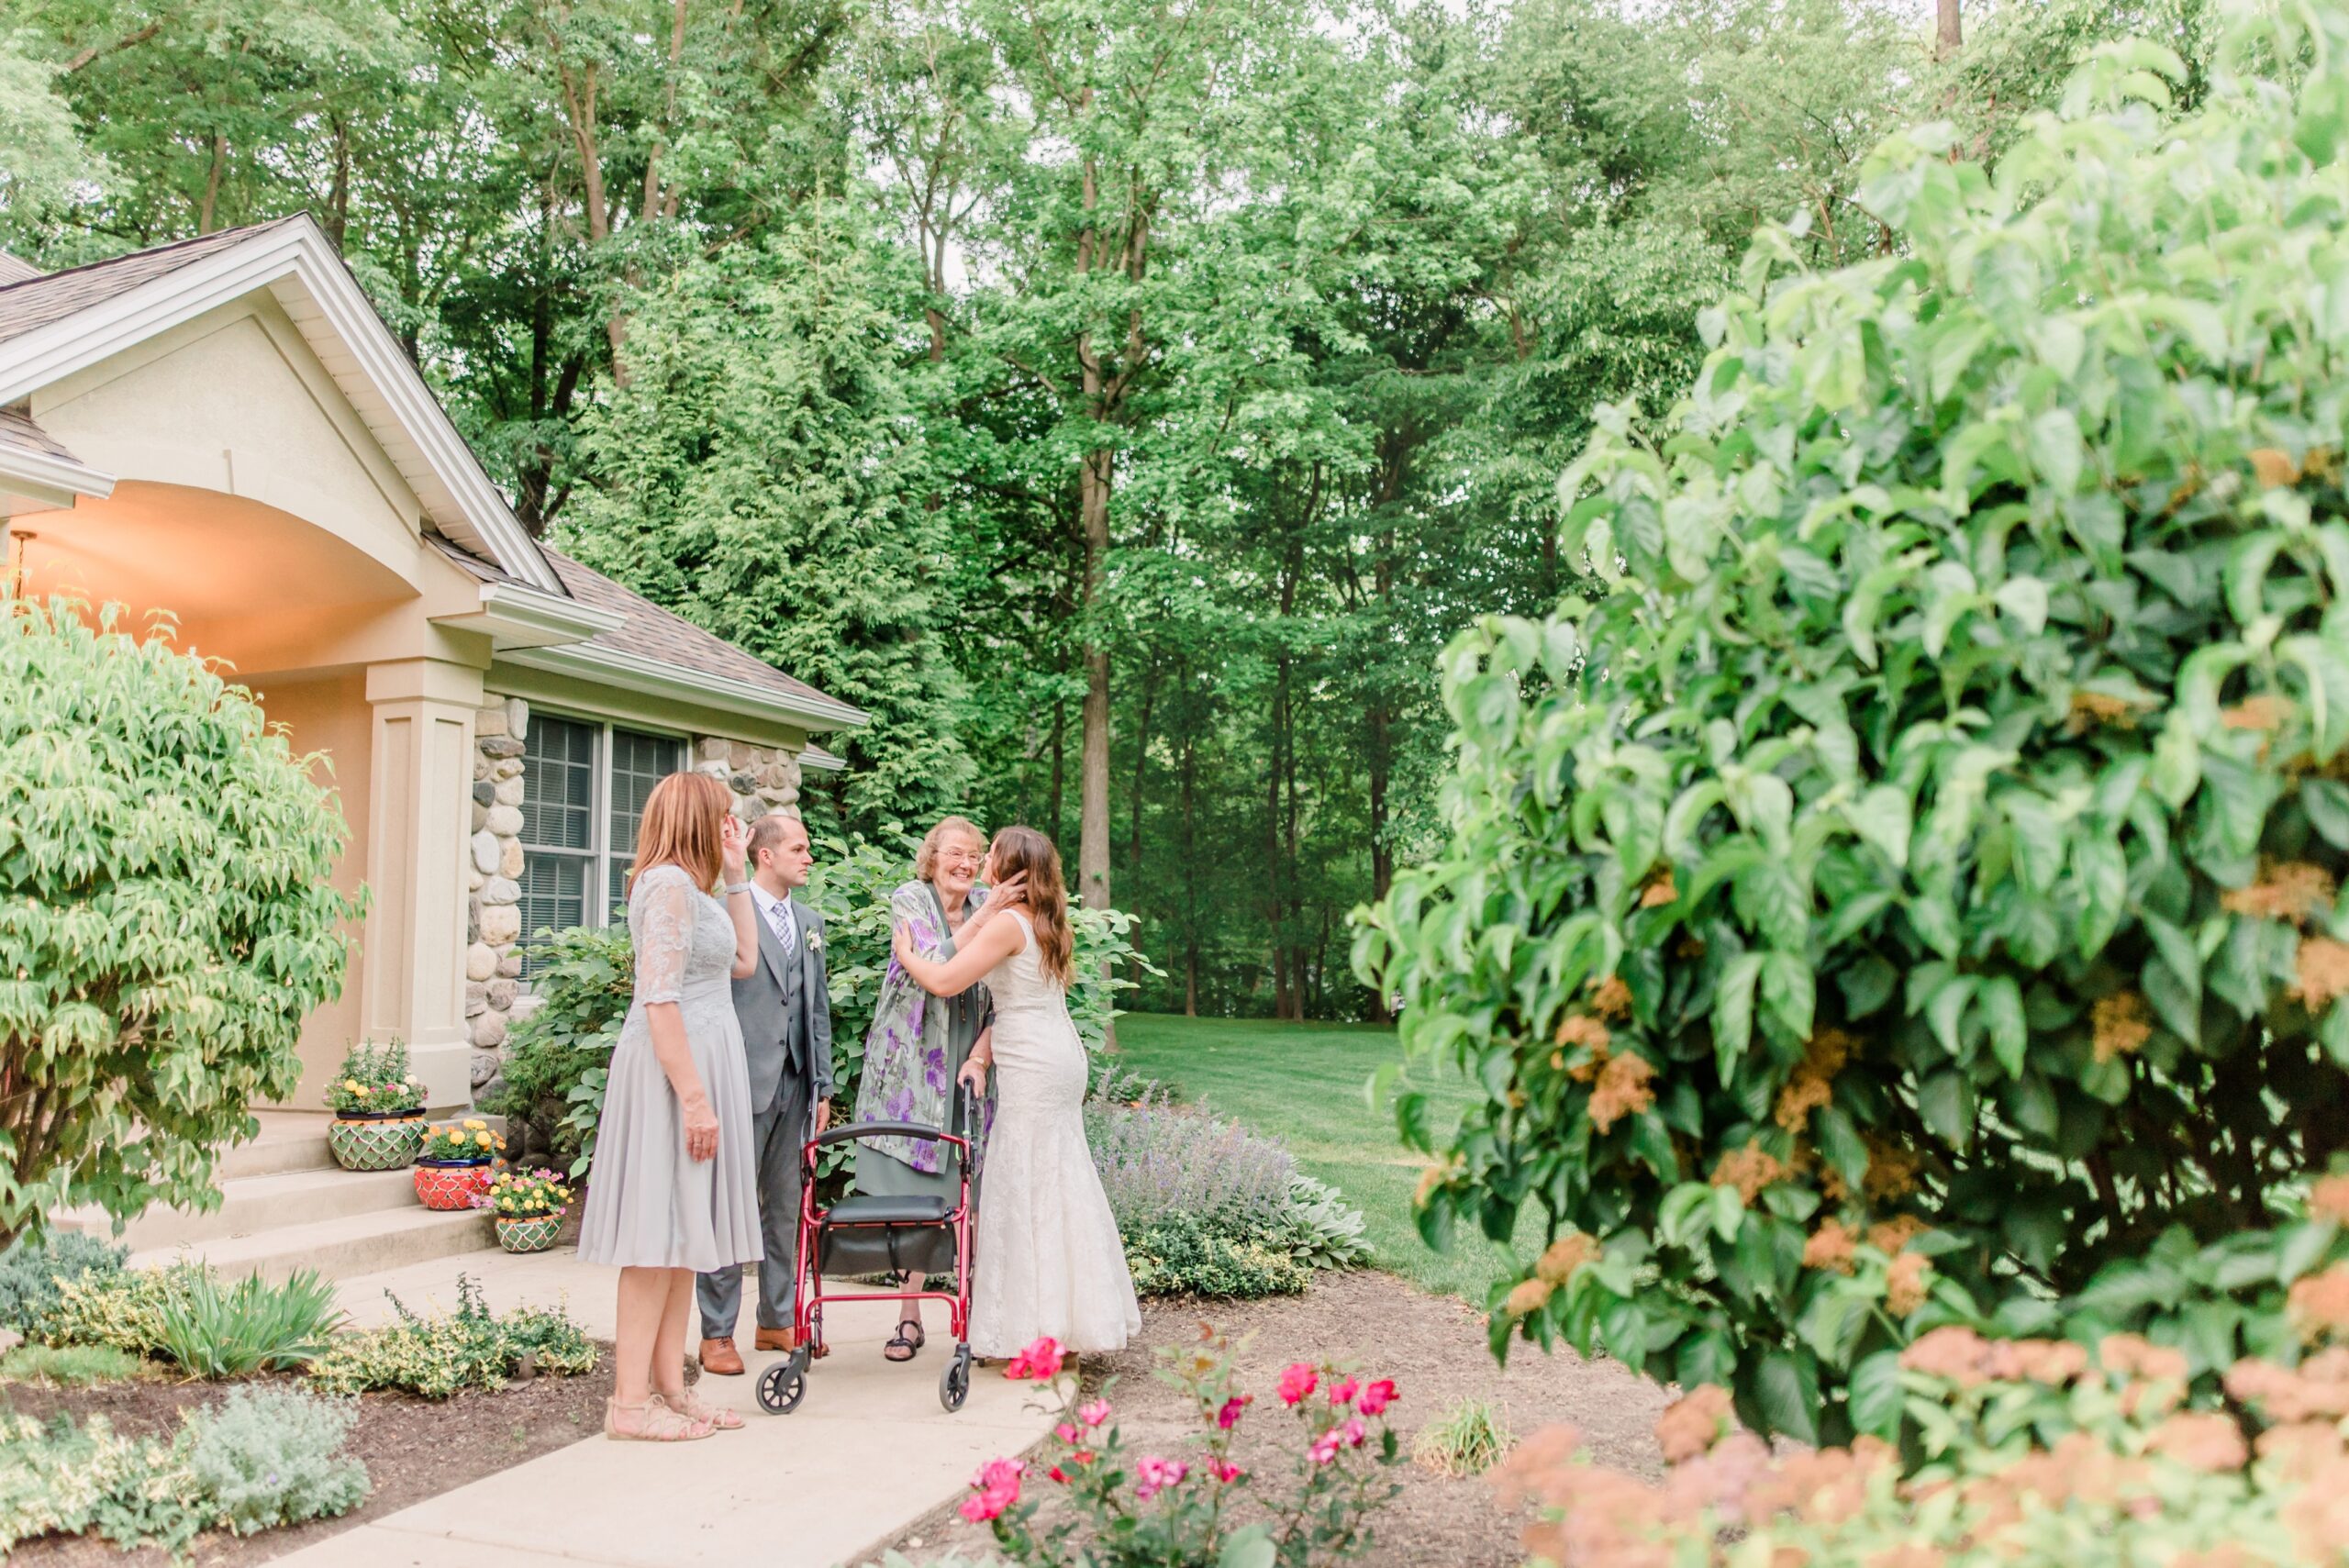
(1433, 1346)
(414, 1449)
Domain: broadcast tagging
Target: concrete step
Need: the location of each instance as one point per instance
(337, 1247)
(251, 1204)
(289, 1140)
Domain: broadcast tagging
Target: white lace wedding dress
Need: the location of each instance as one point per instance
(1047, 1258)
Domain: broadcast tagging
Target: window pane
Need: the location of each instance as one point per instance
(554, 895)
(559, 785)
(639, 762)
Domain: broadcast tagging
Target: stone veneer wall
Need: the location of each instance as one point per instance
(761, 778)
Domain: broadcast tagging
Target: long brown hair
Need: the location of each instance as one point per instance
(680, 827)
(1017, 849)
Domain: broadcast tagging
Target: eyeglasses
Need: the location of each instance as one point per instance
(960, 858)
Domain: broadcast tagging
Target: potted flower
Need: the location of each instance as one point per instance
(452, 1166)
(529, 1206)
(378, 1108)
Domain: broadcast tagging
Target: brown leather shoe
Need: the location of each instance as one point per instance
(721, 1359)
(782, 1339)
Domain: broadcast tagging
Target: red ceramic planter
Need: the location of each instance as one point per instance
(444, 1186)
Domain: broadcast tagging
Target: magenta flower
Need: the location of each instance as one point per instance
(1228, 1417)
(1298, 1381)
(1353, 1431)
(1067, 1433)
(1092, 1412)
(1224, 1469)
(1342, 1392)
(994, 1489)
(1376, 1398)
(1325, 1447)
(1040, 1361)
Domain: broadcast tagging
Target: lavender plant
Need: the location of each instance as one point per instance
(1158, 1159)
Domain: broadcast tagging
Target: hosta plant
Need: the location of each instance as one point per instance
(168, 915)
(1911, 884)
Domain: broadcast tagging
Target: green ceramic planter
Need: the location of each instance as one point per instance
(533, 1235)
(367, 1141)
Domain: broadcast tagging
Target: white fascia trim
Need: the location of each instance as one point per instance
(822, 762)
(630, 673)
(545, 612)
(299, 249)
(56, 480)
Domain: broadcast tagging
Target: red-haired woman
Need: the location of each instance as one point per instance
(1048, 1258)
(672, 1192)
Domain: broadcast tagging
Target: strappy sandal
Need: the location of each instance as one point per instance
(661, 1425)
(912, 1343)
(693, 1407)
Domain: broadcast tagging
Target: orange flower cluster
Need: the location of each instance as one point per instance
(1584, 1032)
(2090, 709)
(2122, 1024)
(2296, 891)
(2318, 1306)
(1659, 891)
(2323, 972)
(2329, 1199)
(1528, 1297)
(1622, 1090)
(1748, 1169)
(1692, 1424)
(1562, 1257)
(2316, 1390)
(1905, 1283)
(1833, 1248)
(1813, 1086)
(2264, 713)
(1965, 1357)
(1611, 999)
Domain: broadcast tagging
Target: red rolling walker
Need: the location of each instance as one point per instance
(864, 1234)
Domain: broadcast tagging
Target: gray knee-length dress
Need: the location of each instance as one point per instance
(649, 1204)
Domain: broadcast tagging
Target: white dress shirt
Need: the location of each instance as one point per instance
(777, 913)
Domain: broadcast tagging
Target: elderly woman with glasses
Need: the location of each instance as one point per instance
(920, 1043)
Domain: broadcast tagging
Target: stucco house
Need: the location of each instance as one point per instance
(223, 430)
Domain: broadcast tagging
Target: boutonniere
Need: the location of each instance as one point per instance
(816, 942)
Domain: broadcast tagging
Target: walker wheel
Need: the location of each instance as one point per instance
(783, 1385)
(954, 1382)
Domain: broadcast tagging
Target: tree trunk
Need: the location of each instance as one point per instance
(1059, 766)
(206, 216)
(1947, 34)
(1093, 801)
(1274, 905)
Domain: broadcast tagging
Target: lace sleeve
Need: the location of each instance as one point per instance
(660, 924)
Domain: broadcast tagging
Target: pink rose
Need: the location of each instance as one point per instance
(1325, 1447)
(1067, 1433)
(1376, 1398)
(994, 1489)
(1040, 1361)
(1298, 1381)
(1228, 1417)
(1224, 1471)
(1353, 1431)
(1092, 1412)
(1154, 1474)
(1343, 1391)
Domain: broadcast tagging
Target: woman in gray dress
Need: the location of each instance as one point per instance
(670, 1193)
(918, 1044)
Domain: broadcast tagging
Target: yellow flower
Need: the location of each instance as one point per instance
(359, 1090)
(481, 1139)
(475, 1125)
(352, 1085)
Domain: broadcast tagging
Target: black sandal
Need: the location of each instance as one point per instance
(912, 1347)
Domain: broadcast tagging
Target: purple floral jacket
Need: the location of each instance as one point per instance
(918, 1041)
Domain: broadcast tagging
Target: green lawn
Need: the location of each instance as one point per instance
(1303, 1084)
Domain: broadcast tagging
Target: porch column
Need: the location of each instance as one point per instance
(419, 818)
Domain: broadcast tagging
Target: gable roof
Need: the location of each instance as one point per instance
(15, 269)
(653, 647)
(55, 323)
(36, 464)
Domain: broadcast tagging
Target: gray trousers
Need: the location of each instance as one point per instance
(778, 1133)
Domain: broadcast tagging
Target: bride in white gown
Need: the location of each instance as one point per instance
(1046, 1259)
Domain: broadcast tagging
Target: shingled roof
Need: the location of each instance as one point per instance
(15, 269)
(39, 298)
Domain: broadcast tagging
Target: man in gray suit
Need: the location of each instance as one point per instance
(787, 1015)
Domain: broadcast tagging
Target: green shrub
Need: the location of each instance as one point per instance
(471, 1347)
(253, 1326)
(168, 916)
(70, 1366)
(265, 1457)
(1910, 890)
(1321, 1229)
(32, 1265)
(62, 1479)
(557, 1058)
(1179, 1254)
(124, 1309)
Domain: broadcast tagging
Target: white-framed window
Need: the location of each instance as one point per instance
(583, 787)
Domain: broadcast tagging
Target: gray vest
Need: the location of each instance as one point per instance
(772, 1006)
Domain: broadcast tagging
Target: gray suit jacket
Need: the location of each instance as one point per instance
(785, 1010)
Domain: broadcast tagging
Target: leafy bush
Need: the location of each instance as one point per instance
(2035, 1451)
(1911, 889)
(70, 1366)
(470, 1347)
(62, 1479)
(168, 916)
(252, 1326)
(1183, 1255)
(375, 1077)
(122, 1308)
(1319, 1228)
(557, 1058)
(1153, 1511)
(1157, 1158)
(31, 1267)
(265, 1457)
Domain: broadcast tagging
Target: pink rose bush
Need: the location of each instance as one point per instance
(1163, 1510)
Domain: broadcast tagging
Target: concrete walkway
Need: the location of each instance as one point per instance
(867, 1452)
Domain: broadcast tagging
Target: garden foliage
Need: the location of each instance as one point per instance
(557, 1058)
(1908, 895)
(168, 916)
(215, 1331)
(265, 1457)
(62, 1479)
(442, 1355)
(32, 1267)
